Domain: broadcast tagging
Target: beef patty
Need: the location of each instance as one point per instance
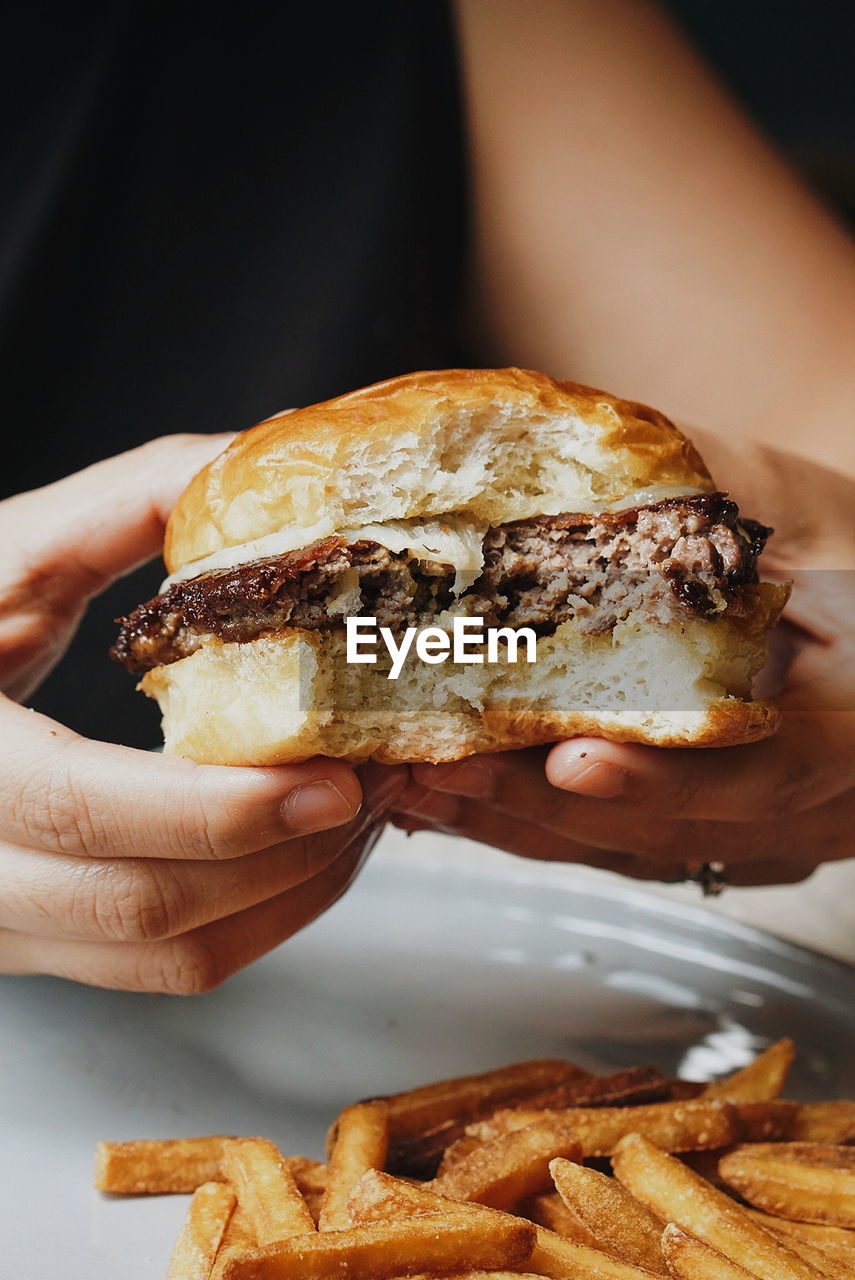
(679, 556)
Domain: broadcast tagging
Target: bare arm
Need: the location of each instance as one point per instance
(771, 811)
(634, 232)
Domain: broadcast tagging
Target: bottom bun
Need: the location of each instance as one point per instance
(290, 695)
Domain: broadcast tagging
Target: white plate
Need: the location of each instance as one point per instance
(426, 968)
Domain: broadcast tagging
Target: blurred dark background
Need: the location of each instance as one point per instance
(790, 62)
(75, 306)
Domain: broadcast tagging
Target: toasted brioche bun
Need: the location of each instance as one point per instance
(486, 446)
(492, 444)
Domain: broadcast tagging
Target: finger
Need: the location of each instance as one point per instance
(382, 783)
(768, 872)
(513, 784)
(194, 962)
(66, 794)
(66, 542)
(810, 760)
(518, 836)
(75, 536)
(607, 836)
(439, 811)
(144, 899)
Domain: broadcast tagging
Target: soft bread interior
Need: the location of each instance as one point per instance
(291, 695)
(490, 446)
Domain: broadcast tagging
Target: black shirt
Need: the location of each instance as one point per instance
(210, 214)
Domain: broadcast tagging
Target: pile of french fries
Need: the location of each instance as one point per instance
(536, 1169)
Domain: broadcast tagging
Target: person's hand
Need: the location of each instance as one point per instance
(124, 868)
(772, 811)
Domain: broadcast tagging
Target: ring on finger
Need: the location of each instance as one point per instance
(711, 876)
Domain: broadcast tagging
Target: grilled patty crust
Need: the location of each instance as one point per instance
(682, 555)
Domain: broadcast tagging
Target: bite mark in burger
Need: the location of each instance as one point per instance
(497, 494)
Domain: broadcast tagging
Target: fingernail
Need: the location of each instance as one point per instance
(317, 806)
(599, 779)
(472, 779)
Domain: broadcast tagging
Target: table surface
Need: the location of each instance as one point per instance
(817, 913)
(441, 960)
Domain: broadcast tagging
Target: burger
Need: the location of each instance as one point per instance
(527, 506)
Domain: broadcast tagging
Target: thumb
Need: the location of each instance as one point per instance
(66, 542)
(69, 540)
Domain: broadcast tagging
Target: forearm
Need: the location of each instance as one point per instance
(634, 232)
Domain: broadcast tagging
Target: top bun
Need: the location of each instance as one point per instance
(490, 445)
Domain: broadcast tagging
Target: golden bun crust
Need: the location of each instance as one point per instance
(493, 445)
(290, 695)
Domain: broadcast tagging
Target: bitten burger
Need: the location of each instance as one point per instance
(493, 494)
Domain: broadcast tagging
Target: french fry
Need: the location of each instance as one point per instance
(757, 1121)
(159, 1166)
(432, 1242)
(763, 1121)
(475, 1275)
(690, 1259)
(507, 1169)
(562, 1259)
(199, 1238)
(617, 1222)
(620, 1088)
(836, 1237)
(421, 1155)
(492, 1140)
(238, 1237)
(421, 1110)
(807, 1181)
(835, 1243)
(690, 1262)
(824, 1261)
(705, 1163)
(683, 1090)
(676, 1194)
(480, 1275)
(488, 1275)
(266, 1189)
(832, 1122)
(379, 1197)
(549, 1210)
(311, 1176)
(361, 1143)
(457, 1150)
(673, 1126)
(762, 1079)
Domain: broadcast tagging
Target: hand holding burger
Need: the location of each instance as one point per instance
(124, 868)
(771, 812)
(492, 495)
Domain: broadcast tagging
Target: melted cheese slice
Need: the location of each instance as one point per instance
(452, 540)
(647, 497)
